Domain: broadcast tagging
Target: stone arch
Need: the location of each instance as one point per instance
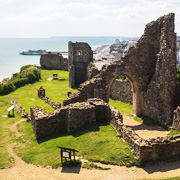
(152, 78)
(136, 98)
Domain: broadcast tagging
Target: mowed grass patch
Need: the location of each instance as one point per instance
(96, 143)
(27, 97)
(6, 136)
(127, 109)
(123, 108)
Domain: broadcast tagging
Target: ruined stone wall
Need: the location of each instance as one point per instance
(176, 119)
(150, 65)
(19, 109)
(92, 70)
(71, 117)
(122, 91)
(80, 55)
(46, 124)
(53, 60)
(41, 95)
(159, 98)
(162, 148)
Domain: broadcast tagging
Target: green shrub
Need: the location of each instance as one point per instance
(19, 82)
(5, 80)
(28, 74)
(9, 87)
(25, 67)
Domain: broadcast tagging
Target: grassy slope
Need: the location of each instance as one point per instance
(98, 143)
(27, 97)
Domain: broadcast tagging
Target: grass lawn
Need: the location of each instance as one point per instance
(127, 109)
(96, 143)
(27, 97)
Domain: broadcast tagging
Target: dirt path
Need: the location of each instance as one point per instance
(13, 127)
(24, 171)
(144, 131)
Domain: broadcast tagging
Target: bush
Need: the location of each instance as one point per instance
(28, 74)
(9, 87)
(5, 80)
(25, 67)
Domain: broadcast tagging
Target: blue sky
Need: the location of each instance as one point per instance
(46, 18)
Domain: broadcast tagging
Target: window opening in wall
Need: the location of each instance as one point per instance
(79, 53)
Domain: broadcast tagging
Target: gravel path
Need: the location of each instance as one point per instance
(24, 171)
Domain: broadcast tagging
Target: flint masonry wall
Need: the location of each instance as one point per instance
(80, 55)
(150, 66)
(19, 109)
(92, 70)
(162, 148)
(46, 124)
(41, 95)
(122, 91)
(71, 117)
(176, 119)
(54, 60)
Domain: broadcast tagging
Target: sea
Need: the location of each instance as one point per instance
(11, 61)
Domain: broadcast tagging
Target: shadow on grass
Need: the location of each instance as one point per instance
(77, 133)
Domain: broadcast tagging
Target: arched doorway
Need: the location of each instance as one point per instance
(136, 95)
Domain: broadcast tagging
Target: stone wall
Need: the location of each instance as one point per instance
(122, 91)
(162, 148)
(150, 65)
(80, 55)
(92, 70)
(41, 94)
(176, 119)
(19, 109)
(72, 117)
(54, 60)
(46, 124)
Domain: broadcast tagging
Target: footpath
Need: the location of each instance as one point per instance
(24, 171)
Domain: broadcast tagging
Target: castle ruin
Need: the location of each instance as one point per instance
(150, 66)
(54, 60)
(80, 55)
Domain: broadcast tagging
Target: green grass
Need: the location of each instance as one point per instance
(96, 143)
(27, 97)
(122, 107)
(127, 109)
(173, 132)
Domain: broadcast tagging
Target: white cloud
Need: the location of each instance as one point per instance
(94, 17)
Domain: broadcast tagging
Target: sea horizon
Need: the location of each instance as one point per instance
(11, 61)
